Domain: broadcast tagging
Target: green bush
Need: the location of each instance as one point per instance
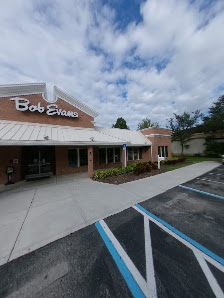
(213, 148)
(137, 168)
(173, 161)
(101, 174)
(130, 167)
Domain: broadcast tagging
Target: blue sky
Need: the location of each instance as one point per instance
(130, 59)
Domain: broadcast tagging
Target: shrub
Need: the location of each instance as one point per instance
(213, 148)
(155, 165)
(173, 161)
(101, 174)
(142, 167)
(130, 167)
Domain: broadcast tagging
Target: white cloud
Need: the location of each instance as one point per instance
(78, 46)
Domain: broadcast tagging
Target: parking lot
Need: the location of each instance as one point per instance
(168, 246)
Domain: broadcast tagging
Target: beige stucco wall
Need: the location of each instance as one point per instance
(196, 147)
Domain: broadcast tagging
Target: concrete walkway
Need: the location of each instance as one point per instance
(37, 213)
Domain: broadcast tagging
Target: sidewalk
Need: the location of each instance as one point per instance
(37, 213)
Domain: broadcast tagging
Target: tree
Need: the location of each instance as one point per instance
(147, 123)
(121, 123)
(215, 119)
(181, 127)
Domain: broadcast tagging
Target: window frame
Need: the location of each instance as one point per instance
(78, 157)
(106, 155)
(132, 153)
(163, 151)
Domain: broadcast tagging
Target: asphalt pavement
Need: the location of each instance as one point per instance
(170, 245)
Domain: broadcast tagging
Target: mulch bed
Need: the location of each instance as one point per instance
(129, 177)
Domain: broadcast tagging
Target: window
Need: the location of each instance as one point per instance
(83, 157)
(109, 155)
(134, 153)
(140, 153)
(163, 151)
(102, 153)
(72, 158)
(117, 154)
(77, 157)
(130, 154)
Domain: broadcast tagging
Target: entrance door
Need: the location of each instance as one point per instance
(38, 161)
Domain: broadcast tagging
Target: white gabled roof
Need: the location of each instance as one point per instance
(24, 133)
(23, 89)
(17, 133)
(132, 138)
(73, 101)
(40, 88)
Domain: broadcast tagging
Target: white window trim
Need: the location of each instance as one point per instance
(106, 155)
(163, 149)
(132, 149)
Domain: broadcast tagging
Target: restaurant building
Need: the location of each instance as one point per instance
(40, 138)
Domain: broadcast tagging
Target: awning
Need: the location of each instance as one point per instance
(15, 133)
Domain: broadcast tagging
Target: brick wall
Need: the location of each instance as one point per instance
(146, 156)
(61, 161)
(8, 112)
(7, 154)
(159, 137)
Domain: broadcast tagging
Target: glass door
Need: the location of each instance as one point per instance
(45, 161)
(38, 161)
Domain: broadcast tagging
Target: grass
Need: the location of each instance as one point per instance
(189, 161)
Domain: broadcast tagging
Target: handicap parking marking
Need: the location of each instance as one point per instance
(201, 253)
(201, 192)
(138, 286)
(146, 287)
(192, 244)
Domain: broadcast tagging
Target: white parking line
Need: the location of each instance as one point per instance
(128, 262)
(210, 277)
(150, 273)
(200, 256)
(205, 179)
(182, 240)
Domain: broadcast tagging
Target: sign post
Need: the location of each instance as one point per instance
(159, 159)
(125, 155)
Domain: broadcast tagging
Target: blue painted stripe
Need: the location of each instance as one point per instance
(202, 192)
(188, 239)
(133, 286)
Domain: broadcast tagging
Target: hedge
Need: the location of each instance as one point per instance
(138, 168)
(173, 161)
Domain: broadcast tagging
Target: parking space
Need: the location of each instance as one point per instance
(211, 182)
(170, 245)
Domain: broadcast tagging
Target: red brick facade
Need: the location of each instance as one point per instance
(158, 137)
(9, 155)
(8, 112)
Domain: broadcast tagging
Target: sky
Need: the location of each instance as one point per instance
(124, 58)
